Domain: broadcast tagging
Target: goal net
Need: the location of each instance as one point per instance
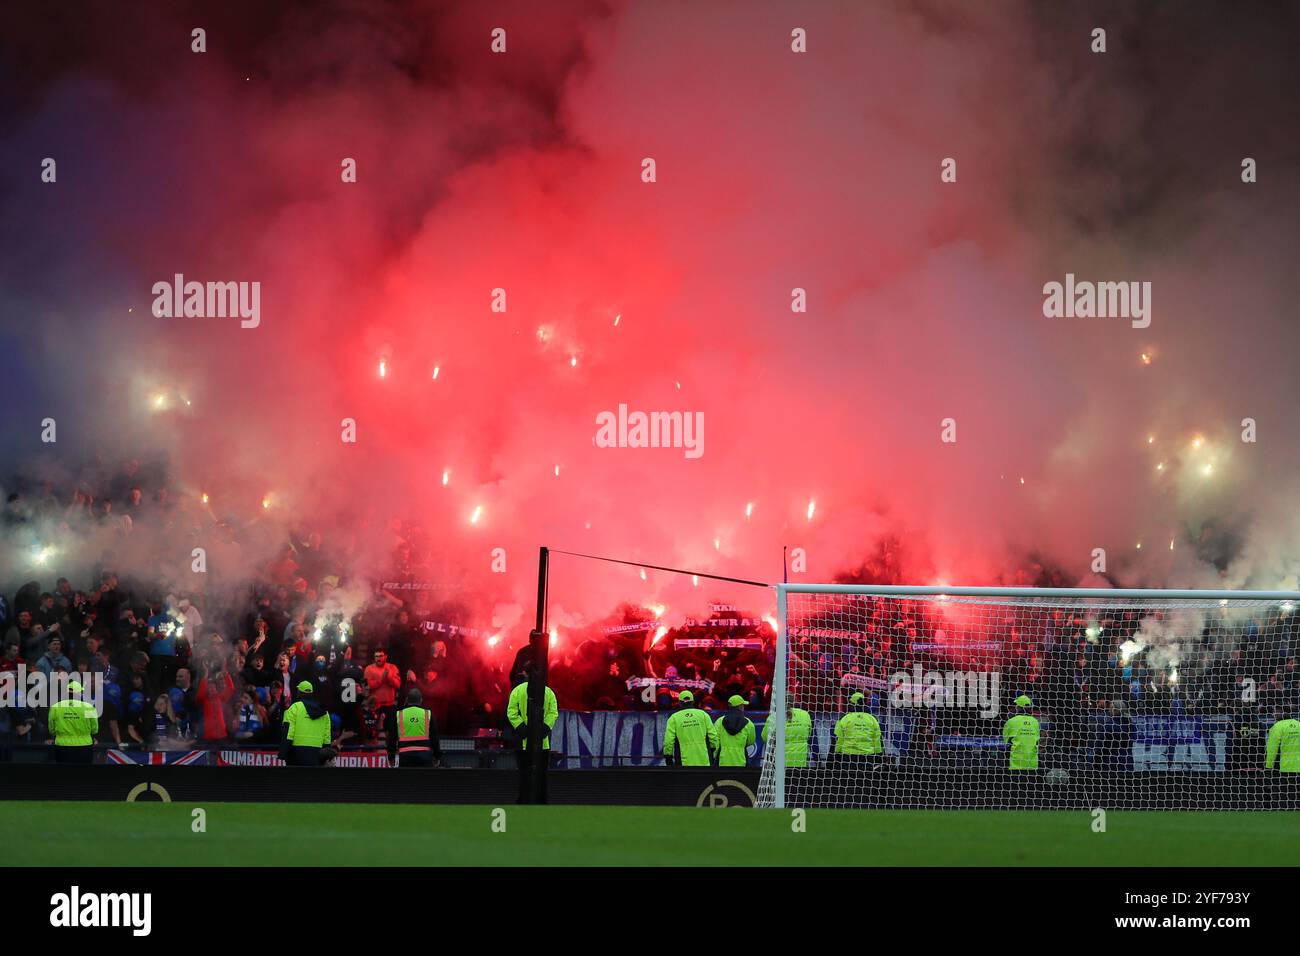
(1027, 697)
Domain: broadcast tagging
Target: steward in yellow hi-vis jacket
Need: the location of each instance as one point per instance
(857, 734)
(73, 724)
(413, 735)
(690, 738)
(1284, 741)
(307, 730)
(1021, 732)
(736, 738)
(798, 731)
(517, 714)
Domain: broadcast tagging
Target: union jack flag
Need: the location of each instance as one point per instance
(158, 758)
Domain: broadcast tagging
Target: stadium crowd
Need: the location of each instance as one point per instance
(181, 665)
(184, 667)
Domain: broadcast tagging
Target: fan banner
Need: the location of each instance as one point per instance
(270, 758)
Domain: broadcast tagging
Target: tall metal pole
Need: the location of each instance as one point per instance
(776, 736)
(539, 651)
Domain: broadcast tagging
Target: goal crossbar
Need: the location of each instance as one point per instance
(903, 590)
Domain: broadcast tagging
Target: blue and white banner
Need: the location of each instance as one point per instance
(1181, 743)
(635, 738)
(610, 737)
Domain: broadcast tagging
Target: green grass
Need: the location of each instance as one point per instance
(146, 834)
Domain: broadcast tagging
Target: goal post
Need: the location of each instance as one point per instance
(986, 697)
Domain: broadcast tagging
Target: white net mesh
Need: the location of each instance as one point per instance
(1017, 700)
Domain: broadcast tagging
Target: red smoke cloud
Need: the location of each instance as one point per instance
(775, 171)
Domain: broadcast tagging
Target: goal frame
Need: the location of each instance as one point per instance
(776, 738)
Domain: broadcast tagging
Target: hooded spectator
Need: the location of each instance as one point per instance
(53, 660)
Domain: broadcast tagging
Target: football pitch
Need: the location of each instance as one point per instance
(242, 834)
